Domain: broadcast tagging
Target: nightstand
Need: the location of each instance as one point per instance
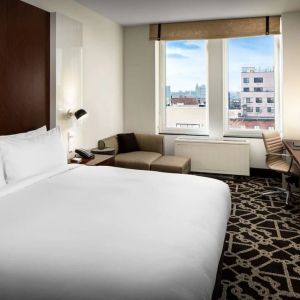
(99, 160)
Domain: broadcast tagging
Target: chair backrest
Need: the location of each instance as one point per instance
(151, 142)
(146, 142)
(273, 144)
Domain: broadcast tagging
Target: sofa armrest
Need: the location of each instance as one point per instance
(151, 142)
(112, 142)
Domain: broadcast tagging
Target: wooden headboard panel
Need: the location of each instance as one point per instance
(24, 67)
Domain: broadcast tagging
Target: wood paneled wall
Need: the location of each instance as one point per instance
(24, 67)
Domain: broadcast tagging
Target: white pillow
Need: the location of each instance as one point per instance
(25, 134)
(35, 155)
(18, 135)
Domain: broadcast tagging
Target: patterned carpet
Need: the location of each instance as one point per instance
(262, 247)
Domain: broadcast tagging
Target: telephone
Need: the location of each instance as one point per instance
(84, 153)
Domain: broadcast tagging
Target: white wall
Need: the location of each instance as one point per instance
(102, 69)
(67, 47)
(291, 74)
(139, 80)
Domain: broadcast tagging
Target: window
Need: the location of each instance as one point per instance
(248, 100)
(258, 79)
(246, 79)
(257, 59)
(184, 103)
(258, 89)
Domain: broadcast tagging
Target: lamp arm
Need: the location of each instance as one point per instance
(69, 113)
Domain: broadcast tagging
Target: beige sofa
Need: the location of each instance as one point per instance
(151, 148)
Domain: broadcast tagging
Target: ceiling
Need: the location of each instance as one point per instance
(133, 12)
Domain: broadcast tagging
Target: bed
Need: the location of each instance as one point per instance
(82, 232)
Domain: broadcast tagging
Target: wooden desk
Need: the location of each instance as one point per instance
(295, 153)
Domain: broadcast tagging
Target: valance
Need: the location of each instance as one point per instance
(215, 29)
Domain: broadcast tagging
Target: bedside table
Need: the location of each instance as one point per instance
(99, 160)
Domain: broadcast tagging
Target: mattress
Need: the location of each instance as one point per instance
(110, 233)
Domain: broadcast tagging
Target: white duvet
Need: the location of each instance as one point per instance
(113, 234)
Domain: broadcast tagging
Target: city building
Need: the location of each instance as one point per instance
(196, 97)
(257, 93)
(184, 101)
(200, 91)
(168, 94)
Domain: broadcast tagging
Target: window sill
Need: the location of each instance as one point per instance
(238, 136)
(180, 133)
(254, 134)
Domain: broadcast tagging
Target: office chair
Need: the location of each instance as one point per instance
(280, 162)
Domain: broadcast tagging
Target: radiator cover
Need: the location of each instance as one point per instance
(222, 156)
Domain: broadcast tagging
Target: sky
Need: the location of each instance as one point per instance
(186, 61)
(185, 64)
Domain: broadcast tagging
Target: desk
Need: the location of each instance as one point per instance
(295, 153)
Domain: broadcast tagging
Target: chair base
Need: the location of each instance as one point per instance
(288, 195)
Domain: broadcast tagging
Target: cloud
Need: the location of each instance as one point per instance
(183, 45)
(177, 56)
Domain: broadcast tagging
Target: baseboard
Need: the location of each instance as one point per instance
(264, 173)
(267, 173)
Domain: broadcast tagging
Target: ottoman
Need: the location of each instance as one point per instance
(172, 164)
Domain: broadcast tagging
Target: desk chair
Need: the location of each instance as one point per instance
(280, 162)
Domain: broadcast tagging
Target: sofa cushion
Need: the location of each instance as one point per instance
(150, 142)
(127, 143)
(172, 164)
(136, 160)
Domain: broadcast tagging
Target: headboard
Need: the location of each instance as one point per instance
(24, 67)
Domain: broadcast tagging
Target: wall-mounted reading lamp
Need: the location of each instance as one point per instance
(78, 114)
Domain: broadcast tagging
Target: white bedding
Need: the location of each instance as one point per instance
(114, 234)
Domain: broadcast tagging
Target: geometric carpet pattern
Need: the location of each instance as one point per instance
(262, 245)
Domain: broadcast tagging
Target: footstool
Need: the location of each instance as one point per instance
(172, 164)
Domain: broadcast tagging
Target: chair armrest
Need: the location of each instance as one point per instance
(151, 142)
(112, 142)
(283, 155)
(278, 154)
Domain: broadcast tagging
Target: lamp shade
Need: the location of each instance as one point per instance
(80, 113)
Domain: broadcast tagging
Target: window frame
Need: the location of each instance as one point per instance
(162, 128)
(254, 133)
